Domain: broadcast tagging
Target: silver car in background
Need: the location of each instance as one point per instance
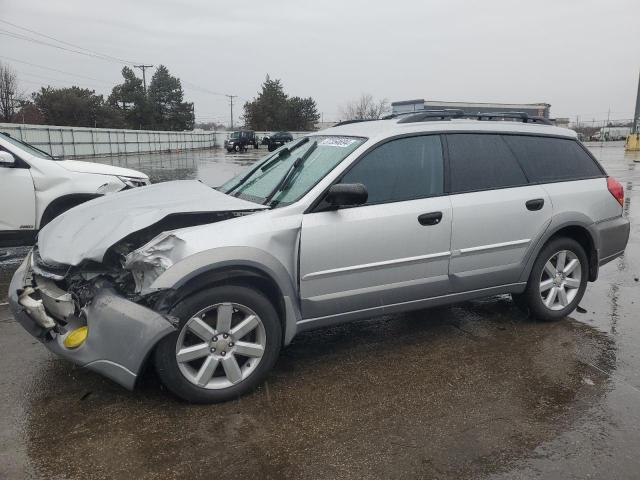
(362, 219)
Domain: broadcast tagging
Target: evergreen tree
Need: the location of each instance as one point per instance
(273, 110)
(166, 99)
(129, 97)
(76, 107)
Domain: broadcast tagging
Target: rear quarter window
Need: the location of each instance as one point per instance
(546, 159)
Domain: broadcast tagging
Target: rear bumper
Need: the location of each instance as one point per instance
(613, 237)
(121, 332)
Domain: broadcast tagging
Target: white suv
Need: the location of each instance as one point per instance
(355, 221)
(36, 187)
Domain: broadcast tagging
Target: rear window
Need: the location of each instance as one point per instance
(482, 162)
(546, 159)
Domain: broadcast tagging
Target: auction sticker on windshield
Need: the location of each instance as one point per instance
(343, 142)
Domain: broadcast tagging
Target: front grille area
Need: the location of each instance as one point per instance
(44, 267)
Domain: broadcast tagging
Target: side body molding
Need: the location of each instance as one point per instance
(250, 257)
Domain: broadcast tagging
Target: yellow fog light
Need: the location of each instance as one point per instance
(75, 337)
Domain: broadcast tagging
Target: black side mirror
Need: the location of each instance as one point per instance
(347, 194)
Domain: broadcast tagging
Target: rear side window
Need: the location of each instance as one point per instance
(482, 162)
(546, 159)
(402, 169)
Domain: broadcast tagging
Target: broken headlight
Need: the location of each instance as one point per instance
(133, 182)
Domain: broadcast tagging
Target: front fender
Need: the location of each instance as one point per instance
(224, 257)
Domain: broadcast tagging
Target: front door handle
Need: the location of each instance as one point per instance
(432, 218)
(536, 204)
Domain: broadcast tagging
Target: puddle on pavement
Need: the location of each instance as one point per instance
(454, 392)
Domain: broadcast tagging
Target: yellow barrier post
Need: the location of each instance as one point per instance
(632, 143)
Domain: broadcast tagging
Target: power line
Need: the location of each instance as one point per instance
(19, 36)
(57, 80)
(54, 69)
(106, 56)
(77, 49)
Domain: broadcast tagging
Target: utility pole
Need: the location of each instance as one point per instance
(636, 115)
(231, 97)
(144, 77)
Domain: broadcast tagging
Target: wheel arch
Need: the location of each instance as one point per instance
(229, 265)
(581, 232)
(53, 209)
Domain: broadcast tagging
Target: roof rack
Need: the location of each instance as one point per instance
(525, 117)
(448, 114)
(348, 122)
(427, 115)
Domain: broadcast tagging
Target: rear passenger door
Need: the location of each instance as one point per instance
(497, 214)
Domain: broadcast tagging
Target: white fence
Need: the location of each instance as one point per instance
(89, 142)
(96, 142)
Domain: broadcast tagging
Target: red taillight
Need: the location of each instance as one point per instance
(616, 189)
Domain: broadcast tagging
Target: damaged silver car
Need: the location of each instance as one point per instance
(359, 220)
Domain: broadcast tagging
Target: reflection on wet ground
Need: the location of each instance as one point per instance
(470, 391)
(212, 167)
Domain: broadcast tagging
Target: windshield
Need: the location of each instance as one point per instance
(36, 152)
(235, 135)
(320, 154)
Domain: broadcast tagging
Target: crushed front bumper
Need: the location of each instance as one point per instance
(121, 333)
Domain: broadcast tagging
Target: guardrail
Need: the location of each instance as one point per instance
(90, 142)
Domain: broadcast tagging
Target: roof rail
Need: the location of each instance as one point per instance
(349, 122)
(426, 115)
(523, 116)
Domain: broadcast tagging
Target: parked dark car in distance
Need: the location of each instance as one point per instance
(240, 140)
(278, 139)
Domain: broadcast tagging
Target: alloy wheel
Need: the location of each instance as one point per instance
(560, 280)
(220, 346)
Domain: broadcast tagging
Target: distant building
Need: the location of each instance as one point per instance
(472, 108)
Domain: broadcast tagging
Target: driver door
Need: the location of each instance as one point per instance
(393, 249)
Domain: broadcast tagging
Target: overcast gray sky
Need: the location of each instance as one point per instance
(581, 56)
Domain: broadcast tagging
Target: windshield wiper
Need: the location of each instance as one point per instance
(284, 181)
(284, 152)
(281, 155)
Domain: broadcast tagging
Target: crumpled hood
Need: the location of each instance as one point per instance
(99, 169)
(87, 231)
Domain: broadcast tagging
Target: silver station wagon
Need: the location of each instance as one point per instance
(362, 219)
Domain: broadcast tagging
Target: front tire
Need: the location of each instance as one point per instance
(557, 281)
(228, 339)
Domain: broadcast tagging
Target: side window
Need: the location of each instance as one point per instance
(402, 169)
(546, 159)
(482, 162)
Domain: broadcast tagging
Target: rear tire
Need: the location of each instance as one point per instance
(245, 339)
(557, 281)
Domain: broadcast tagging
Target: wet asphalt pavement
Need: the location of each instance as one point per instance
(474, 390)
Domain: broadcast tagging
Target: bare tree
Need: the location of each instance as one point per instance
(8, 92)
(365, 108)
